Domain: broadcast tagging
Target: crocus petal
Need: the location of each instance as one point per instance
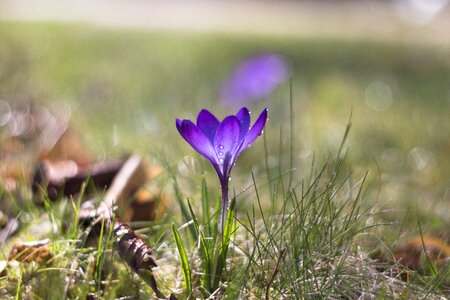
(231, 137)
(178, 123)
(244, 118)
(207, 123)
(255, 78)
(255, 131)
(197, 139)
(227, 137)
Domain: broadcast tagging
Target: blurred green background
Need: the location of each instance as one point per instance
(125, 87)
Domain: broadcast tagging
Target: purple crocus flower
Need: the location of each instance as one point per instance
(222, 142)
(255, 78)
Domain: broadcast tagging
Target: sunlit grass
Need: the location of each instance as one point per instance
(307, 225)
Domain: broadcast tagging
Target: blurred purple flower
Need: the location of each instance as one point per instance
(222, 142)
(255, 78)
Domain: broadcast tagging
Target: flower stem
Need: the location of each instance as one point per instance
(224, 209)
(218, 265)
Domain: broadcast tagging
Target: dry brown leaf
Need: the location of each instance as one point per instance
(66, 145)
(132, 176)
(126, 197)
(27, 252)
(67, 178)
(411, 254)
(29, 128)
(147, 204)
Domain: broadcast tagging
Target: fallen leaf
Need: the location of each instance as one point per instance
(147, 204)
(27, 252)
(127, 196)
(132, 176)
(67, 178)
(411, 254)
(66, 145)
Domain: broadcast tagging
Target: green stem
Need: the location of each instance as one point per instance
(224, 209)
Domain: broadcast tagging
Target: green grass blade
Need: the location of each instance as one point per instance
(204, 252)
(179, 197)
(206, 206)
(215, 218)
(183, 259)
(223, 248)
(100, 255)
